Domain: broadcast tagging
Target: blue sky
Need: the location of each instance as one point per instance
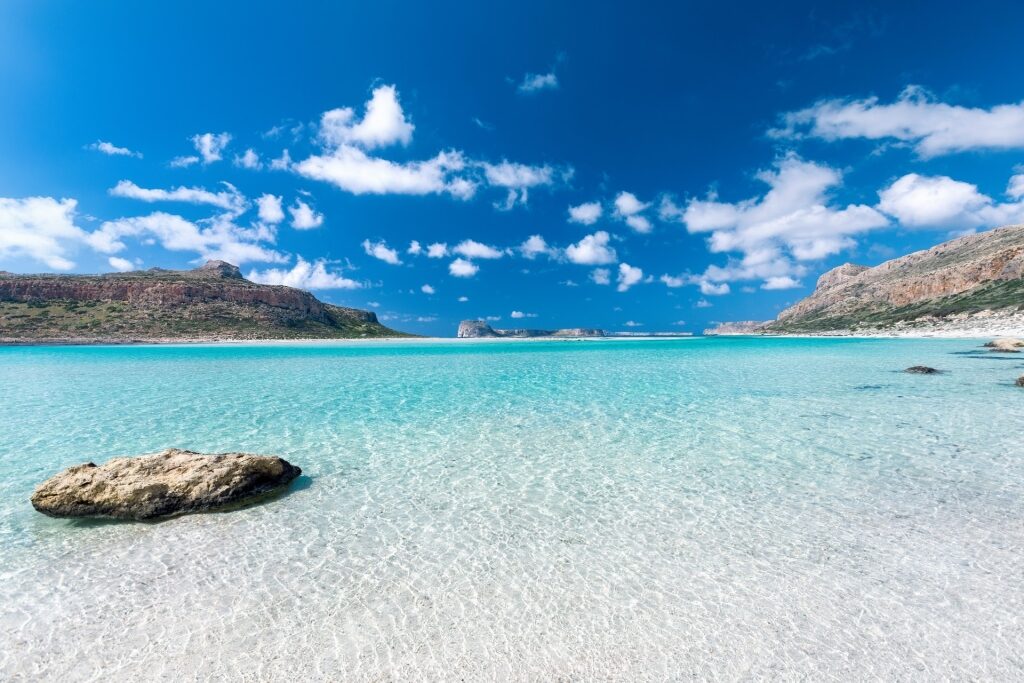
(617, 165)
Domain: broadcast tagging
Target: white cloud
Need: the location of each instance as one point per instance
(674, 281)
(249, 160)
(473, 249)
(633, 323)
(792, 221)
(915, 118)
(780, 282)
(940, 202)
(281, 163)
(462, 268)
(427, 289)
(270, 210)
(519, 314)
(587, 213)
(304, 275)
(383, 124)
(1015, 188)
(712, 289)
(217, 238)
(305, 217)
(628, 276)
(629, 209)
(703, 303)
(517, 178)
(184, 162)
(414, 248)
(463, 299)
(437, 250)
(211, 145)
(230, 199)
(592, 250)
(122, 265)
(601, 276)
(113, 150)
(532, 83)
(40, 228)
(352, 170)
(534, 246)
(380, 250)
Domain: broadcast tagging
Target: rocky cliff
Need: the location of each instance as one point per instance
(971, 275)
(478, 329)
(740, 327)
(213, 301)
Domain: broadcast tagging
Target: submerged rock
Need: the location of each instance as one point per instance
(1005, 345)
(169, 483)
(1020, 381)
(922, 370)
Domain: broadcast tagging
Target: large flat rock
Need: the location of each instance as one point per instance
(172, 482)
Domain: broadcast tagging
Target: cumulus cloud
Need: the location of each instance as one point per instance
(592, 250)
(304, 216)
(427, 289)
(601, 276)
(918, 201)
(1015, 188)
(250, 160)
(414, 248)
(473, 249)
(534, 246)
(914, 118)
(352, 170)
(793, 221)
(211, 145)
(281, 163)
(304, 275)
(463, 299)
(532, 83)
(384, 123)
(518, 179)
(587, 213)
(229, 199)
(269, 209)
(437, 250)
(380, 250)
(40, 228)
(713, 289)
(460, 267)
(111, 149)
(628, 276)
(217, 238)
(630, 209)
(519, 314)
(780, 282)
(121, 265)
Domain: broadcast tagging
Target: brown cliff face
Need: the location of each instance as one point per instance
(973, 273)
(213, 301)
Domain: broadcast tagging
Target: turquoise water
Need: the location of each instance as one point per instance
(696, 508)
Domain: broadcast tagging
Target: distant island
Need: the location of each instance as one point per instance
(973, 284)
(479, 329)
(210, 303)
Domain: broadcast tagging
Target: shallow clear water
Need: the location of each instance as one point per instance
(702, 508)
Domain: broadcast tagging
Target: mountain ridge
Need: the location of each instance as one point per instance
(209, 303)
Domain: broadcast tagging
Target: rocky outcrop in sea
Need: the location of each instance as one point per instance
(164, 484)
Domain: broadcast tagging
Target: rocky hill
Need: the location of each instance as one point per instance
(478, 329)
(212, 302)
(978, 275)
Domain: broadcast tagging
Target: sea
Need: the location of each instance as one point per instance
(671, 509)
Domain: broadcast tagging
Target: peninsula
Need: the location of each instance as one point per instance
(210, 303)
(969, 285)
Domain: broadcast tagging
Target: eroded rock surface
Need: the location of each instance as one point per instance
(169, 483)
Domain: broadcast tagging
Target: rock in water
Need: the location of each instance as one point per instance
(1020, 381)
(173, 482)
(1005, 345)
(922, 370)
